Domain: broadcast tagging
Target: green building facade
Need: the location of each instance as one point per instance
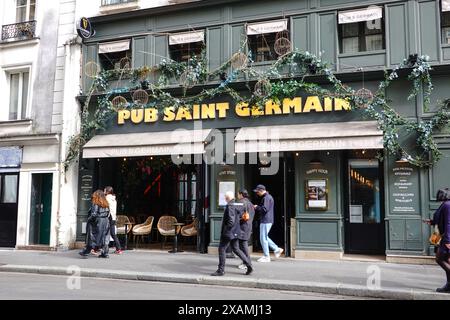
(334, 221)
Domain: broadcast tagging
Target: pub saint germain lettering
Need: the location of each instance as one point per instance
(220, 110)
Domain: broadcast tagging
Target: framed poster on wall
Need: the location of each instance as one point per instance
(316, 192)
(224, 187)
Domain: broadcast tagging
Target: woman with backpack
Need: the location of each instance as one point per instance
(441, 218)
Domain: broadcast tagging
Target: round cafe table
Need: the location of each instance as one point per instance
(177, 226)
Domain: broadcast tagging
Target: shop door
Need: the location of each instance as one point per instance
(9, 189)
(41, 208)
(364, 218)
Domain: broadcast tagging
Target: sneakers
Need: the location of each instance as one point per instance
(242, 266)
(264, 259)
(118, 252)
(278, 253)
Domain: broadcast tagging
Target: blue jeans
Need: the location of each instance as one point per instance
(266, 242)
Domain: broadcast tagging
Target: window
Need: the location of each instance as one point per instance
(361, 30)
(185, 45)
(187, 191)
(115, 55)
(9, 185)
(25, 10)
(262, 37)
(445, 21)
(112, 2)
(18, 95)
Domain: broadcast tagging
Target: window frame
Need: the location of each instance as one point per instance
(20, 107)
(362, 37)
(271, 46)
(201, 47)
(27, 6)
(128, 54)
(442, 26)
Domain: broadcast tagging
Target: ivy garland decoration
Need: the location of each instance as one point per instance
(300, 65)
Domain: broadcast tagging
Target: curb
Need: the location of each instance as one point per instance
(284, 285)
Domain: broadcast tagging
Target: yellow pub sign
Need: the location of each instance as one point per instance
(220, 110)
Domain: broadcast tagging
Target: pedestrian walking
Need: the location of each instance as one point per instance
(229, 234)
(246, 224)
(441, 218)
(111, 198)
(266, 211)
(99, 217)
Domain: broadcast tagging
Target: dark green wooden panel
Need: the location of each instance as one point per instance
(161, 48)
(318, 232)
(369, 59)
(120, 27)
(396, 234)
(256, 10)
(328, 36)
(429, 41)
(90, 55)
(397, 34)
(187, 19)
(300, 33)
(327, 3)
(398, 93)
(446, 53)
(440, 174)
(215, 43)
(441, 91)
(139, 52)
(413, 230)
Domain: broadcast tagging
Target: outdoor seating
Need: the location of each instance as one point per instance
(141, 230)
(190, 230)
(120, 224)
(166, 228)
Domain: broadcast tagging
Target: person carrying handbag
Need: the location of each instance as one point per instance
(441, 219)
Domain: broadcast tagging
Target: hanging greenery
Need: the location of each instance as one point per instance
(271, 84)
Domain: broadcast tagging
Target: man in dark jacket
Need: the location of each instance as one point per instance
(245, 226)
(229, 233)
(266, 211)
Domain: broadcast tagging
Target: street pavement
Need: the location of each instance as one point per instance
(48, 287)
(376, 279)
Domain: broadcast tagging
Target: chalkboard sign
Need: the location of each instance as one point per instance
(404, 186)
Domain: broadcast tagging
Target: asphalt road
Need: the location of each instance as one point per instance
(15, 286)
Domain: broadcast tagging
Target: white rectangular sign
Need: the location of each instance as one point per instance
(368, 14)
(186, 37)
(115, 46)
(266, 27)
(356, 214)
(445, 5)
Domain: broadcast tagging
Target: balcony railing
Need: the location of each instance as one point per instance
(19, 31)
(115, 2)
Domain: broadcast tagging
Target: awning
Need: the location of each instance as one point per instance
(267, 27)
(307, 137)
(367, 14)
(445, 5)
(187, 37)
(177, 142)
(114, 46)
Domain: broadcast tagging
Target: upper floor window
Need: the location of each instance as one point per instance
(185, 45)
(115, 55)
(261, 39)
(361, 30)
(445, 21)
(25, 10)
(18, 94)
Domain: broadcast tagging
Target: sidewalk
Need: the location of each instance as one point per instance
(398, 281)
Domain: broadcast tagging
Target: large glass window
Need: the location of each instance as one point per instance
(187, 194)
(18, 95)
(183, 52)
(445, 27)
(362, 36)
(25, 10)
(262, 47)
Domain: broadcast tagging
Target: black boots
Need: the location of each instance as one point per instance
(249, 270)
(218, 273)
(444, 289)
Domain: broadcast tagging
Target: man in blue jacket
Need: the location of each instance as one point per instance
(229, 234)
(266, 211)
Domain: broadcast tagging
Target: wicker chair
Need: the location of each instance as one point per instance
(120, 224)
(143, 229)
(190, 230)
(166, 228)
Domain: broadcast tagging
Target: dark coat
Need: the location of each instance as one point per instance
(266, 208)
(444, 224)
(230, 221)
(246, 226)
(100, 219)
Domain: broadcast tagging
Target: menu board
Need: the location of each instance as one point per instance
(404, 190)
